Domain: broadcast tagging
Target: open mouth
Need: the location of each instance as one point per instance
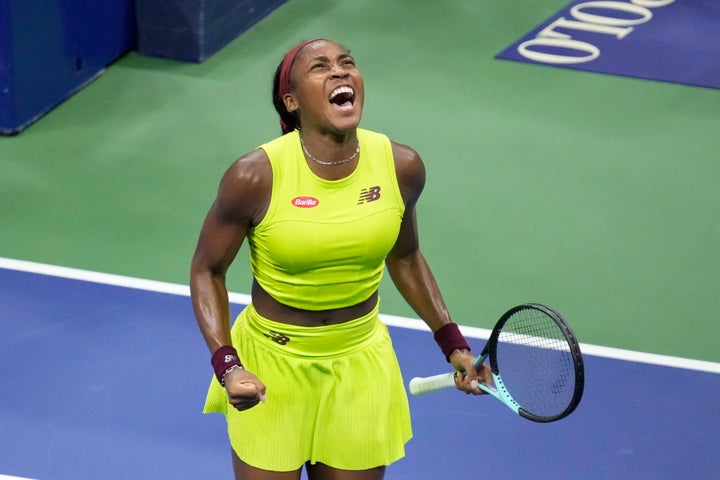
(342, 97)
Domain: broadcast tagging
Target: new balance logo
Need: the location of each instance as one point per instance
(279, 338)
(369, 194)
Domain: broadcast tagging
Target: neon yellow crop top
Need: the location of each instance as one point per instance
(322, 244)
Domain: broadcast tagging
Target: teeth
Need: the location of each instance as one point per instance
(340, 90)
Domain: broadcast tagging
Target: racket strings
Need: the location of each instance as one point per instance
(536, 362)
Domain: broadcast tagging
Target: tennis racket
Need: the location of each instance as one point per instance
(536, 365)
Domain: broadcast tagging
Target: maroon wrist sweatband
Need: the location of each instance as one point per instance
(224, 358)
(449, 339)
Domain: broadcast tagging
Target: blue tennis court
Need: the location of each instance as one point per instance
(104, 377)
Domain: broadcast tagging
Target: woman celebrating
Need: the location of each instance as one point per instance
(307, 374)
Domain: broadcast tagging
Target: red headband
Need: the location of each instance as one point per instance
(285, 66)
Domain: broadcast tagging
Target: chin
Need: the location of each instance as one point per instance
(348, 123)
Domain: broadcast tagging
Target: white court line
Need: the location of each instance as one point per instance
(8, 477)
(391, 320)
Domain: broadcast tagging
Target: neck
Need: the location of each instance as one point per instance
(333, 152)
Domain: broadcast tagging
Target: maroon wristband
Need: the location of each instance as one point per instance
(449, 339)
(224, 358)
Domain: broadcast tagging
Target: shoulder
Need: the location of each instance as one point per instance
(410, 171)
(245, 187)
(252, 169)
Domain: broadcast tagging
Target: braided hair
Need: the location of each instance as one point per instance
(281, 86)
(288, 121)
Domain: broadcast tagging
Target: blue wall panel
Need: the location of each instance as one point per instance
(51, 48)
(193, 30)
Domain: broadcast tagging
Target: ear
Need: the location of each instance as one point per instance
(290, 103)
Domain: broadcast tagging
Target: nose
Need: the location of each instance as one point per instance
(338, 71)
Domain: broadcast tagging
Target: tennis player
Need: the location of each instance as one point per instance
(307, 375)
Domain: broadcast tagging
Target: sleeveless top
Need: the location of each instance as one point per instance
(322, 243)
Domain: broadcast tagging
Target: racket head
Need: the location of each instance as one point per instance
(535, 353)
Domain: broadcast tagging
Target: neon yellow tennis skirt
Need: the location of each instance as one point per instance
(335, 395)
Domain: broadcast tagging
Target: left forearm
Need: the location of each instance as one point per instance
(416, 283)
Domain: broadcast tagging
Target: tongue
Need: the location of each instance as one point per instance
(342, 100)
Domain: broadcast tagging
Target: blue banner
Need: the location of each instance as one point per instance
(666, 40)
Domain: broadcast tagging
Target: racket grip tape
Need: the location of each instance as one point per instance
(423, 385)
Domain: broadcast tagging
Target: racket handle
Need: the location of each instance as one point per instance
(422, 385)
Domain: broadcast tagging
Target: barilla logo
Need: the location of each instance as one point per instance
(305, 202)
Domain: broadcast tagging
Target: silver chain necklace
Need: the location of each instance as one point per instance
(321, 162)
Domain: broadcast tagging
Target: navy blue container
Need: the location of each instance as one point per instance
(49, 49)
(193, 30)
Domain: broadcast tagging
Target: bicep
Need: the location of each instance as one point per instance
(241, 200)
(407, 241)
(220, 239)
(411, 180)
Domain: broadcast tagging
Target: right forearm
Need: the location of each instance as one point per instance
(212, 309)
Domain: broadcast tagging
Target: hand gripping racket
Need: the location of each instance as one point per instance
(536, 365)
